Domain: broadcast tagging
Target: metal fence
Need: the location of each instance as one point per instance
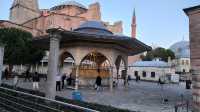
(21, 100)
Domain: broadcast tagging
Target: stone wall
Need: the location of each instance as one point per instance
(23, 11)
(69, 18)
(194, 25)
(8, 24)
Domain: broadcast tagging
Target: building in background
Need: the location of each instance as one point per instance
(150, 70)
(69, 15)
(181, 63)
(27, 15)
(182, 57)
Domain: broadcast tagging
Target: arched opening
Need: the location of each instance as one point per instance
(121, 69)
(67, 62)
(92, 65)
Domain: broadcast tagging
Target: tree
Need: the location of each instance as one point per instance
(18, 47)
(159, 52)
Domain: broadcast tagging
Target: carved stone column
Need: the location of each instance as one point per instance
(53, 66)
(77, 78)
(111, 78)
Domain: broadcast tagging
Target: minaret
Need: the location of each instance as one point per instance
(24, 10)
(133, 25)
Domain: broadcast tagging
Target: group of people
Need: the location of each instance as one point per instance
(35, 78)
(61, 79)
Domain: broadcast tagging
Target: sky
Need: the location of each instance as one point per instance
(159, 22)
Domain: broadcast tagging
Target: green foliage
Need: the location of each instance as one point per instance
(159, 52)
(18, 47)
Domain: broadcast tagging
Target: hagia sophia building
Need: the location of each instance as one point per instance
(26, 15)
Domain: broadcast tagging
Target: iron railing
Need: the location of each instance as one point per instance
(35, 103)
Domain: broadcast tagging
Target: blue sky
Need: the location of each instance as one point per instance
(161, 22)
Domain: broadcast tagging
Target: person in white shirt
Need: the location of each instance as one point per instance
(15, 80)
(36, 80)
(58, 82)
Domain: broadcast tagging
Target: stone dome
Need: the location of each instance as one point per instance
(69, 3)
(181, 49)
(93, 27)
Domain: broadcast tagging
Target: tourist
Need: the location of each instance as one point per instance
(128, 79)
(136, 78)
(188, 84)
(36, 80)
(6, 73)
(58, 81)
(63, 80)
(15, 81)
(159, 81)
(69, 80)
(98, 83)
(27, 75)
(124, 78)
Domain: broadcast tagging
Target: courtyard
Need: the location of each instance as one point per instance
(137, 96)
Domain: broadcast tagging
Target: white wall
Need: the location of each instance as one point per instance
(158, 72)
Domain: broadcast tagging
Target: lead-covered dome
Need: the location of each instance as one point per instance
(181, 49)
(93, 27)
(153, 63)
(69, 3)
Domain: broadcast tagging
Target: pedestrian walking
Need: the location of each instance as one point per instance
(128, 79)
(63, 80)
(136, 78)
(27, 75)
(36, 80)
(98, 83)
(69, 80)
(15, 81)
(58, 82)
(6, 73)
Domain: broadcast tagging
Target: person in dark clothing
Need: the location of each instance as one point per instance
(159, 81)
(124, 79)
(136, 78)
(128, 79)
(27, 75)
(6, 73)
(63, 80)
(98, 82)
(188, 84)
(58, 83)
(69, 80)
(36, 80)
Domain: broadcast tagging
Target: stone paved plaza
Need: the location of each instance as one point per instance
(142, 97)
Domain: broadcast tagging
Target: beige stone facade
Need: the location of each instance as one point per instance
(23, 10)
(26, 14)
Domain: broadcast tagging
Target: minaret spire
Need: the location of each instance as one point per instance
(133, 25)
